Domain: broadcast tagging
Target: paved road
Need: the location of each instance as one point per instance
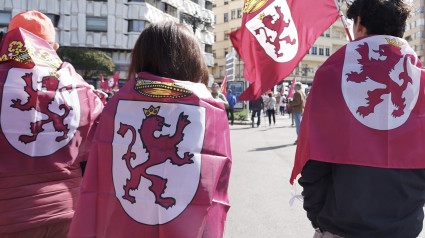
(259, 185)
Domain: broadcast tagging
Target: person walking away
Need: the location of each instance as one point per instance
(231, 99)
(360, 150)
(215, 93)
(256, 107)
(282, 105)
(278, 97)
(271, 105)
(161, 159)
(48, 118)
(297, 106)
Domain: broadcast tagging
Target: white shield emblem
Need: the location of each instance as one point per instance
(40, 110)
(380, 82)
(156, 163)
(275, 30)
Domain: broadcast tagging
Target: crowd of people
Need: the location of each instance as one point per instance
(53, 123)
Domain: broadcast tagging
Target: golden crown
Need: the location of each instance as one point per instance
(251, 6)
(151, 111)
(394, 42)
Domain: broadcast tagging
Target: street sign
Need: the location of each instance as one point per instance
(237, 88)
(230, 65)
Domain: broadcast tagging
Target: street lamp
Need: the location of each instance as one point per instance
(195, 21)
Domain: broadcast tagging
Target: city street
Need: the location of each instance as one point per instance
(259, 187)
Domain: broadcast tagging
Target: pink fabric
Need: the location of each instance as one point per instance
(268, 58)
(105, 209)
(45, 133)
(366, 107)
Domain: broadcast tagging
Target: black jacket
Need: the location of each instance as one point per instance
(359, 201)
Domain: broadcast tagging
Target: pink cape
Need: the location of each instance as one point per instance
(366, 107)
(48, 117)
(159, 165)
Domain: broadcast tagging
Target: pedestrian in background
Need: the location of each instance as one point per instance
(271, 105)
(282, 105)
(362, 167)
(297, 106)
(41, 161)
(256, 107)
(231, 99)
(218, 96)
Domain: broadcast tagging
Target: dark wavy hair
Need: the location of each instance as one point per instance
(380, 17)
(170, 50)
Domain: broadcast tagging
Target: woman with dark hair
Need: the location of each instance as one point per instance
(160, 163)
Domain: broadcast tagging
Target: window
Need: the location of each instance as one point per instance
(155, 3)
(226, 17)
(420, 10)
(215, 37)
(419, 34)
(5, 18)
(412, 25)
(240, 13)
(208, 48)
(209, 5)
(221, 71)
(320, 51)
(136, 25)
(328, 33)
(226, 35)
(214, 54)
(54, 18)
(226, 51)
(226, 2)
(233, 15)
(96, 24)
(167, 8)
(314, 50)
(420, 22)
(328, 51)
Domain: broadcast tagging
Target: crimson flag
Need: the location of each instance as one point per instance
(110, 84)
(103, 84)
(159, 166)
(366, 107)
(48, 117)
(275, 36)
(223, 85)
(291, 91)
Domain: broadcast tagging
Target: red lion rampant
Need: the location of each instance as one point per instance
(379, 71)
(278, 26)
(40, 101)
(159, 149)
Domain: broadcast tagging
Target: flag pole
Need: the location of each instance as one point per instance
(344, 22)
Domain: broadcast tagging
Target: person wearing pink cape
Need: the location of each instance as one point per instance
(160, 161)
(360, 150)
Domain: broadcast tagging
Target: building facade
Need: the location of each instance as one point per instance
(415, 28)
(113, 26)
(228, 15)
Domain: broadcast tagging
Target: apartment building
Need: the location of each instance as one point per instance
(228, 18)
(113, 26)
(415, 28)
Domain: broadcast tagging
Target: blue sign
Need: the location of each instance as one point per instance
(237, 88)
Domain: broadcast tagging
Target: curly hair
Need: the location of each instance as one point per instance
(380, 17)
